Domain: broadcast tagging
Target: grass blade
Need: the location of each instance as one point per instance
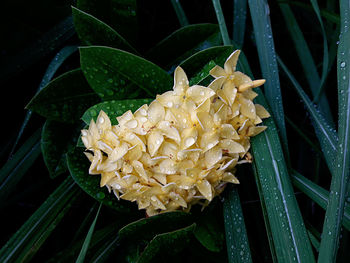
(326, 136)
(318, 194)
(51, 40)
(278, 202)
(291, 243)
(265, 215)
(87, 240)
(266, 50)
(55, 63)
(325, 49)
(239, 21)
(306, 59)
(12, 172)
(236, 234)
(326, 13)
(221, 21)
(314, 241)
(20, 246)
(180, 13)
(338, 189)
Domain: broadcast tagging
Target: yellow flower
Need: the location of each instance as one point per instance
(183, 147)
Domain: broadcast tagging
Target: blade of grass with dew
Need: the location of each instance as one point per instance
(325, 62)
(276, 193)
(327, 137)
(103, 254)
(15, 169)
(87, 240)
(268, 181)
(51, 40)
(180, 13)
(236, 234)
(222, 23)
(306, 59)
(318, 194)
(39, 223)
(239, 21)
(325, 12)
(338, 189)
(20, 154)
(265, 215)
(55, 63)
(236, 242)
(260, 14)
(287, 226)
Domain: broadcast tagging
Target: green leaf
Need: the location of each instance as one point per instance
(339, 186)
(208, 231)
(28, 239)
(325, 48)
(116, 68)
(265, 215)
(87, 240)
(40, 48)
(268, 63)
(325, 13)
(158, 248)
(306, 60)
(221, 21)
(65, 98)
(239, 21)
(56, 139)
(113, 109)
(145, 229)
(197, 61)
(92, 31)
(237, 243)
(318, 194)
(56, 62)
(78, 166)
(327, 137)
(183, 43)
(287, 227)
(121, 15)
(13, 171)
(180, 13)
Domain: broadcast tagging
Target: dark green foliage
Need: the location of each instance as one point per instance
(128, 52)
(110, 72)
(65, 98)
(78, 166)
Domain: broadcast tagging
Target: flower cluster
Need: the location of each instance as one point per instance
(183, 147)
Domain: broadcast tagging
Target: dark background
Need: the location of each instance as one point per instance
(23, 23)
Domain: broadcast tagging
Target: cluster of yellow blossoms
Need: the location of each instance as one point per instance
(183, 147)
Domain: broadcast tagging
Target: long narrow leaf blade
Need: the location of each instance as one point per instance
(51, 40)
(338, 189)
(260, 14)
(236, 234)
(221, 21)
(180, 12)
(87, 240)
(327, 137)
(325, 62)
(56, 62)
(306, 59)
(287, 227)
(318, 194)
(21, 243)
(239, 21)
